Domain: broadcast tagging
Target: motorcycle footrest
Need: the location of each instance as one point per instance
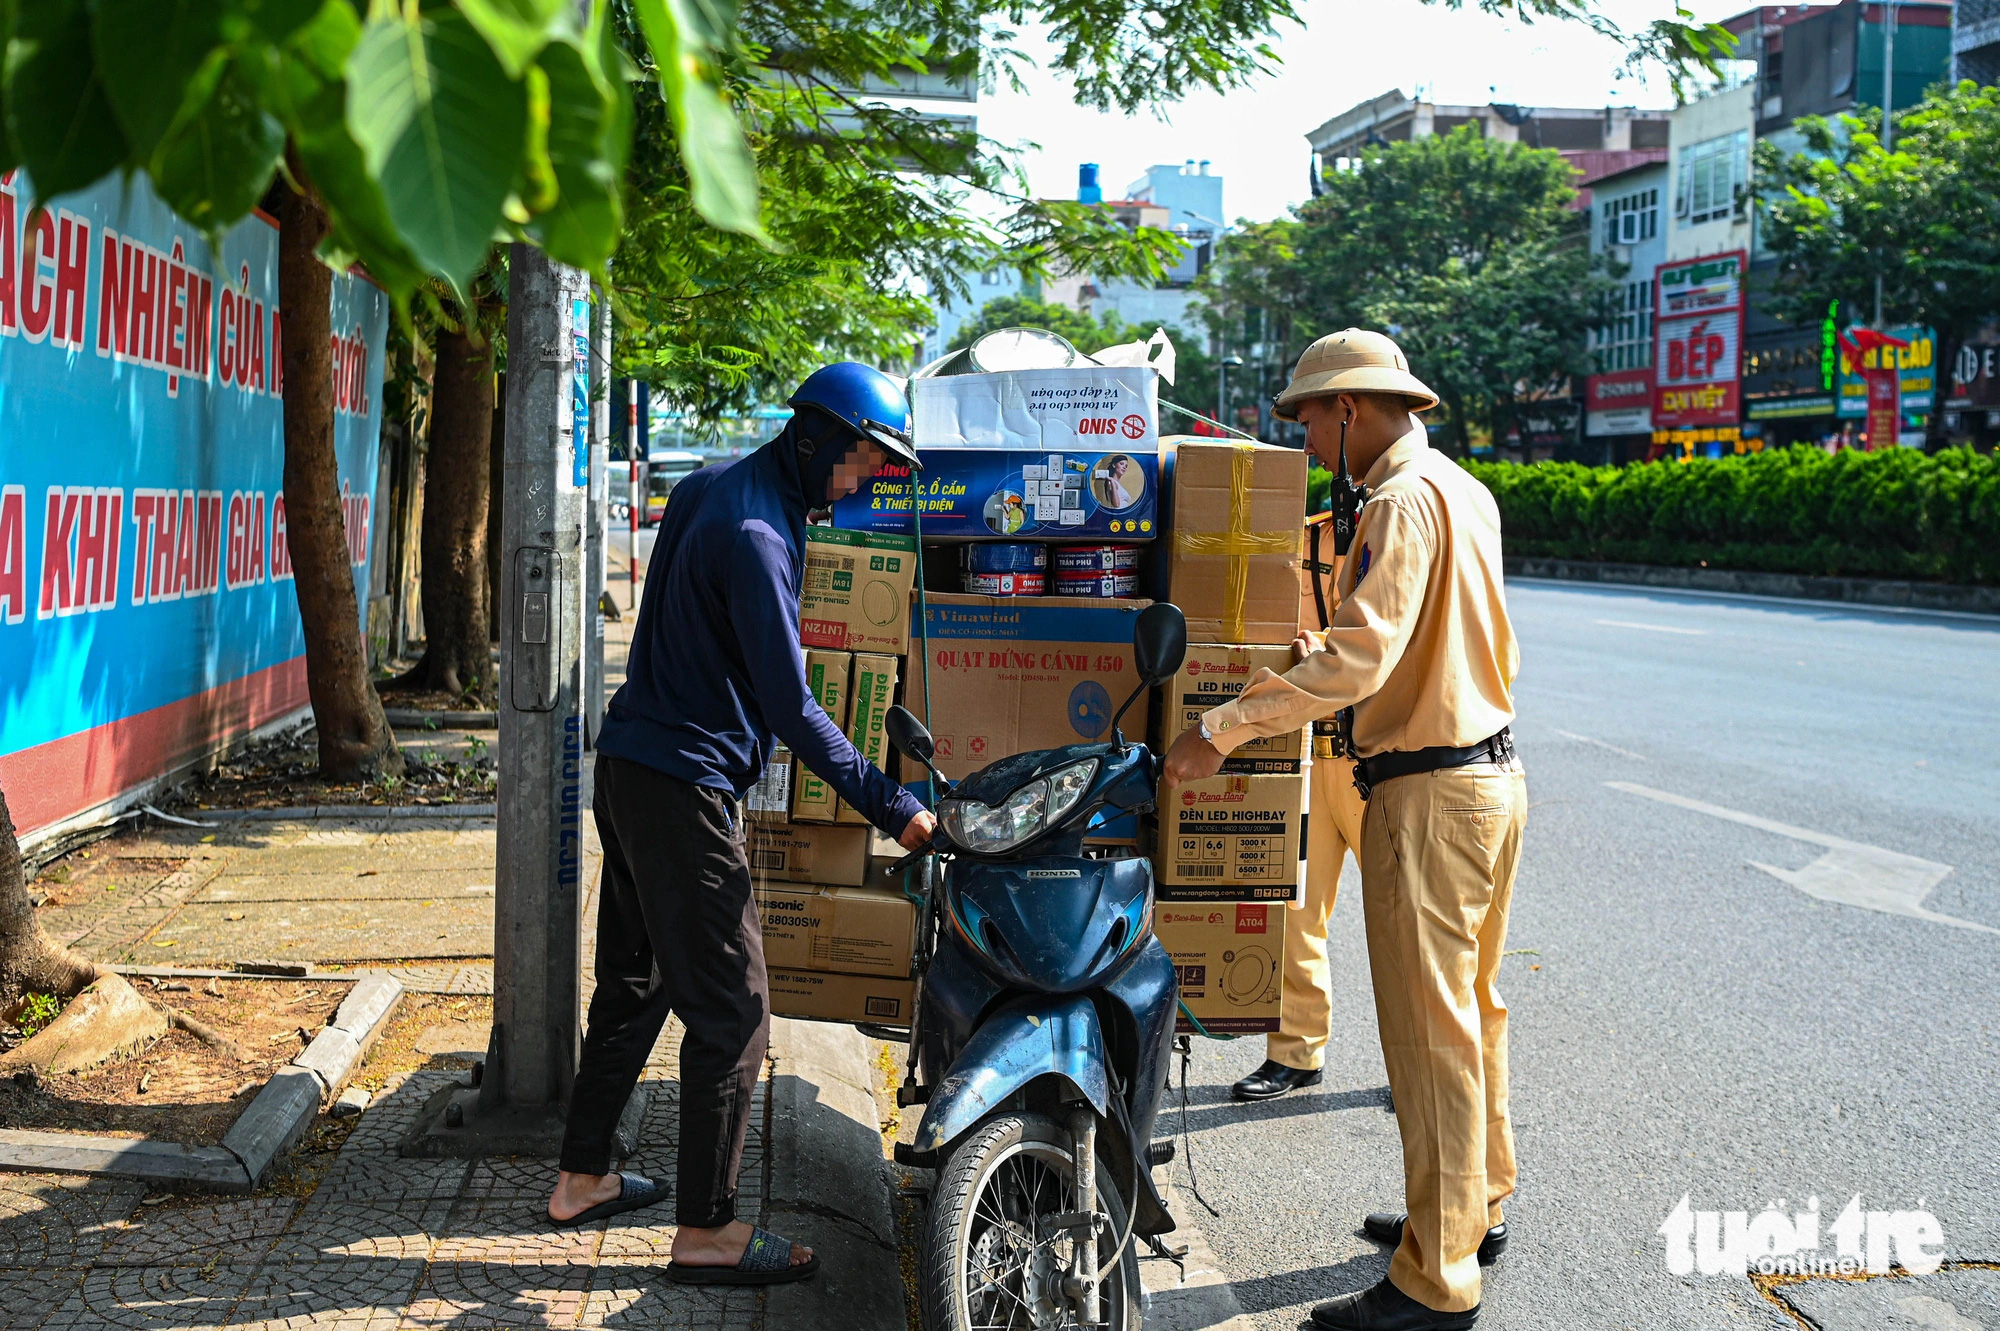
(907, 1154)
(907, 1095)
(1161, 1152)
(1071, 1220)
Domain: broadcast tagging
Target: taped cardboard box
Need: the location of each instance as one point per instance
(848, 930)
(1234, 837)
(1008, 674)
(1212, 675)
(1228, 958)
(1110, 491)
(873, 694)
(770, 800)
(855, 594)
(828, 675)
(808, 853)
(1234, 524)
(823, 996)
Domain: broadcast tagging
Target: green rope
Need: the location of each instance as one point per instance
(1200, 1029)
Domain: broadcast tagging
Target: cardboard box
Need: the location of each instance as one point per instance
(828, 674)
(770, 800)
(820, 996)
(1012, 673)
(1235, 528)
(1040, 411)
(874, 693)
(1232, 838)
(1108, 490)
(1213, 674)
(1228, 958)
(808, 853)
(855, 595)
(847, 930)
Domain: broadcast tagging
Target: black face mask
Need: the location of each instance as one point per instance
(818, 442)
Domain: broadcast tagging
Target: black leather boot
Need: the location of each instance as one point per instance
(1387, 1227)
(1273, 1080)
(1383, 1307)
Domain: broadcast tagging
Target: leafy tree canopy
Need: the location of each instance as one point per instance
(1923, 217)
(1463, 249)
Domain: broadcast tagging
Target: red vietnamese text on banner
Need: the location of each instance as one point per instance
(1884, 380)
(1698, 327)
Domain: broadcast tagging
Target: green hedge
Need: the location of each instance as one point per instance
(1893, 514)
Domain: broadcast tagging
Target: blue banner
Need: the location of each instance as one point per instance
(146, 602)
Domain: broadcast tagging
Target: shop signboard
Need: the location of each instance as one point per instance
(1707, 285)
(147, 608)
(1916, 366)
(1618, 403)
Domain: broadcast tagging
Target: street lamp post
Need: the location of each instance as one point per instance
(1222, 370)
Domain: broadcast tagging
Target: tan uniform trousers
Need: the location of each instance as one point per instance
(1305, 1007)
(1439, 852)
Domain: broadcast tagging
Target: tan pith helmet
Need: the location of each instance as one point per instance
(1353, 360)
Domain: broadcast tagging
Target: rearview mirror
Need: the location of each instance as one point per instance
(1159, 641)
(908, 734)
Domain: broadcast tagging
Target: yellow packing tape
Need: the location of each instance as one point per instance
(1236, 543)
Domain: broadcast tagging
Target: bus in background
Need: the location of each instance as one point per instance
(665, 470)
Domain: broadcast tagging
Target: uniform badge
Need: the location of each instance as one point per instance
(1367, 558)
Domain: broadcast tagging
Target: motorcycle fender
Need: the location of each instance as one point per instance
(1020, 1041)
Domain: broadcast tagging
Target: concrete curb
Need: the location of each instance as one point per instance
(1877, 592)
(410, 718)
(829, 1183)
(272, 1123)
(303, 812)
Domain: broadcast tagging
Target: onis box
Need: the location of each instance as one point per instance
(808, 853)
(855, 595)
(1228, 957)
(827, 675)
(1213, 674)
(873, 694)
(1233, 837)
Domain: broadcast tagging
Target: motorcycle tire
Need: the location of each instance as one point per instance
(983, 1269)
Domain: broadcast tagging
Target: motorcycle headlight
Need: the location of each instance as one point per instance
(1024, 815)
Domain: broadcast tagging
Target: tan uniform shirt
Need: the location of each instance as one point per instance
(1421, 646)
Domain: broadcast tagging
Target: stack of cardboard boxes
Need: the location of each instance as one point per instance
(838, 942)
(1231, 848)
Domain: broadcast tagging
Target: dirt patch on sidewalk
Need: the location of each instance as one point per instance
(180, 1088)
(284, 773)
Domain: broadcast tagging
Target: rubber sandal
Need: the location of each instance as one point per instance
(766, 1260)
(634, 1191)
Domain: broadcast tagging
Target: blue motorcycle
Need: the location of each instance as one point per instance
(1043, 1028)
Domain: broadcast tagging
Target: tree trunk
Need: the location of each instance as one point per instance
(29, 962)
(496, 472)
(1942, 368)
(355, 742)
(458, 648)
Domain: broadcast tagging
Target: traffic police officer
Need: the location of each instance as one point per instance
(1422, 650)
(1295, 1052)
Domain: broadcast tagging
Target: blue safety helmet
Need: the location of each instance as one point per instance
(863, 397)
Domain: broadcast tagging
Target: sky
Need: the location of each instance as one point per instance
(1346, 52)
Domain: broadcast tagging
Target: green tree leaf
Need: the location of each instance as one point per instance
(441, 129)
(583, 225)
(214, 167)
(515, 29)
(686, 39)
(149, 80)
(57, 115)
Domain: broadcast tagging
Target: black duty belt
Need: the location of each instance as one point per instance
(1372, 772)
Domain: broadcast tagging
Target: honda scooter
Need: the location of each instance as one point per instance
(1042, 1031)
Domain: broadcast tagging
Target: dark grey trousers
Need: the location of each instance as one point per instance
(676, 932)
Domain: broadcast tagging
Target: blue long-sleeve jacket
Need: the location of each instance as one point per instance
(715, 668)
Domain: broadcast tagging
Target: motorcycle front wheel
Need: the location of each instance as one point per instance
(990, 1261)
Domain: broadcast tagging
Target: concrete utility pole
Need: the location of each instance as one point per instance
(517, 1102)
(1888, 111)
(598, 516)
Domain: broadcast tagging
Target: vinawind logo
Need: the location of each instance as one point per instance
(1773, 1242)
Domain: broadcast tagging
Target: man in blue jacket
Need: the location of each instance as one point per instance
(715, 672)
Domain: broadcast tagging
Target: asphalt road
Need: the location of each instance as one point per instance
(1684, 1022)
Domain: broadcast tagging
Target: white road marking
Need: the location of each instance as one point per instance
(1850, 873)
(1585, 739)
(1651, 628)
